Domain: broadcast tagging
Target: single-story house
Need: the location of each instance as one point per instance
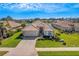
(76, 27)
(38, 28)
(30, 31)
(63, 25)
(11, 25)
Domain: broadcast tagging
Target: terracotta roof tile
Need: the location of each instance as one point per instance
(64, 23)
(12, 23)
(30, 28)
(38, 24)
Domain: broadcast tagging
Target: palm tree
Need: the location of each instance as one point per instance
(7, 19)
(1, 33)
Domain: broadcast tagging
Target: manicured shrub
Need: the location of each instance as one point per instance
(64, 43)
(18, 30)
(10, 33)
(57, 38)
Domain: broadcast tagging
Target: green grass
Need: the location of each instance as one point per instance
(11, 41)
(47, 43)
(58, 53)
(3, 52)
(72, 40)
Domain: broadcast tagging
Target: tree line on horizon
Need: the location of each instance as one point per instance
(71, 19)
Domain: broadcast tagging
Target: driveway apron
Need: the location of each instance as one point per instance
(24, 48)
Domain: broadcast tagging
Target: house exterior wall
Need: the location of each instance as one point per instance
(63, 28)
(47, 33)
(30, 33)
(67, 29)
(77, 28)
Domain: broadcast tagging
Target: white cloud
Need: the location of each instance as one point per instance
(35, 6)
(55, 8)
(23, 6)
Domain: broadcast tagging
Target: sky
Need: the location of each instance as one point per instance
(39, 10)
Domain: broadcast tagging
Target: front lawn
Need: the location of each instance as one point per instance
(3, 52)
(71, 40)
(47, 43)
(58, 53)
(11, 41)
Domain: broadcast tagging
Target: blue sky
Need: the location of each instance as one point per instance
(39, 10)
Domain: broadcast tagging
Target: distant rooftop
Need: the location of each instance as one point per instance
(38, 24)
(64, 23)
(35, 26)
(11, 23)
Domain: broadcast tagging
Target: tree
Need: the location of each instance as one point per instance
(23, 25)
(3, 19)
(9, 18)
(1, 32)
(37, 19)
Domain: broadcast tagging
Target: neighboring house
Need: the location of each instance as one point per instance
(76, 26)
(11, 25)
(38, 28)
(63, 25)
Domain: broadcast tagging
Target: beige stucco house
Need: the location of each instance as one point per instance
(76, 26)
(12, 25)
(38, 28)
(63, 25)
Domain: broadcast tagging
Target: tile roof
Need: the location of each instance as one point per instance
(11, 23)
(38, 24)
(63, 23)
(76, 24)
(29, 28)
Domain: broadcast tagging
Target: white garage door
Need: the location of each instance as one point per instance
(30, 33)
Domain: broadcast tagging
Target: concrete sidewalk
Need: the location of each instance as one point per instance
(59, 49)
(6, 49)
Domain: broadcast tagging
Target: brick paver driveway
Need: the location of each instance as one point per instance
(25, 48)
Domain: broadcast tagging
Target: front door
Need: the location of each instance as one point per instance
(41, 31)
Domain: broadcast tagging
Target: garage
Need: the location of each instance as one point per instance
(30, 31)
